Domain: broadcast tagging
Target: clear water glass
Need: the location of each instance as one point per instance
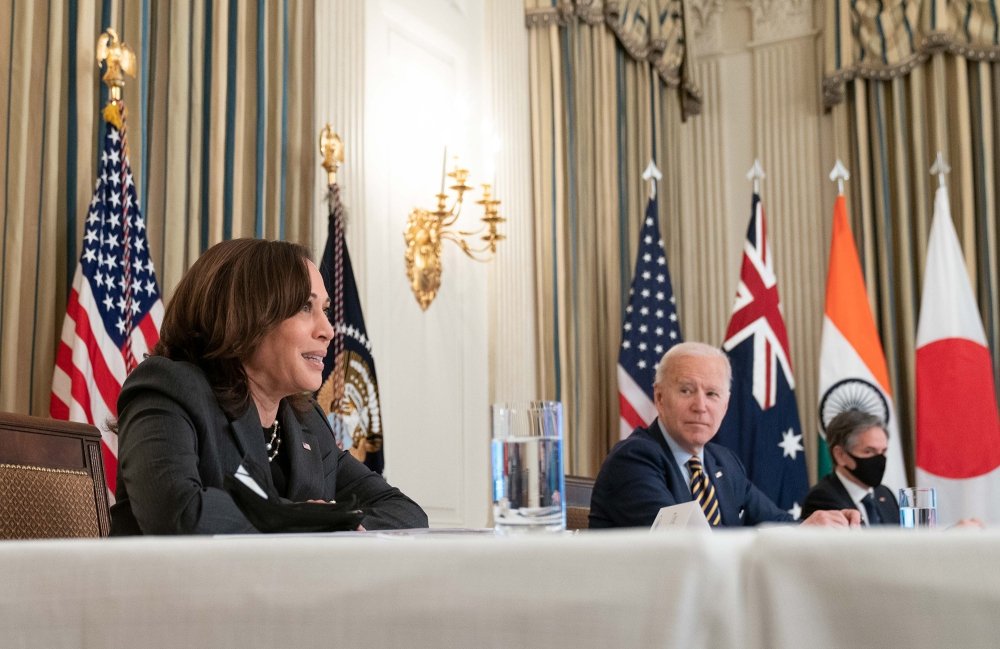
(527, 466)
(918, 507)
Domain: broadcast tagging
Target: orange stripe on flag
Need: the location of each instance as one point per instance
(847, 298)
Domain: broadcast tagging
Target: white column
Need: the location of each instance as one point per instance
(340, 97)
(511, 277)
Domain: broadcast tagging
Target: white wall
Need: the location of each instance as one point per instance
(400, 80)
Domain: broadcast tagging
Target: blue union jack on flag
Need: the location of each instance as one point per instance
(762, 424)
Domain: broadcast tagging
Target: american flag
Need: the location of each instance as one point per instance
(650, 329)
(762, 424)
(114, 311)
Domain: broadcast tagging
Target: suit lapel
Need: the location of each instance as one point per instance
(249, 437)
(845, 498)
(887, 506)
(676, 483)
(306, 479)
(723, 488)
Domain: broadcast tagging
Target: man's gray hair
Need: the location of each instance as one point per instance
(844, 429)
(681, 350)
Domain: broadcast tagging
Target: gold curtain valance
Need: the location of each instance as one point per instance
(649, 30)
(882, 39)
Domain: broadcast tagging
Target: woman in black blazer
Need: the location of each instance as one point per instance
(241, 351)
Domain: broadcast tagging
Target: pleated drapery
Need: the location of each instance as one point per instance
(608, 91)
(906, 80)
(220, 137)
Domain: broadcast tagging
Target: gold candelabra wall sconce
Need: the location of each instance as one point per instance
(426, 229)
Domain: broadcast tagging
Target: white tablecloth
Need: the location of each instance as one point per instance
(773, 588)
(876, 588)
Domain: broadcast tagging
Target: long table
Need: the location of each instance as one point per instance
(768, 588)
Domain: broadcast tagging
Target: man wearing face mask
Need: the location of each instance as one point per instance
(858, 442)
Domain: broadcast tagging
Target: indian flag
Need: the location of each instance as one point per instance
(853, 372)
(958, 429)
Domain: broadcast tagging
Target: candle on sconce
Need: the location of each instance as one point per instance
(430, 226)
(444, 168)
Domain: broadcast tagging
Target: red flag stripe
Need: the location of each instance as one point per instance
(110, 467)
(628, 413)
(57, 408)
(108, 385)
(150, 332)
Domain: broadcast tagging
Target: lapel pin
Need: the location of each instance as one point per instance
(306, 446)
(718, 474)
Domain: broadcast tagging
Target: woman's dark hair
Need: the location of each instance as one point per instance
(233, 295)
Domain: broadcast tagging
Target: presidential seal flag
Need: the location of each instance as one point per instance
(114, 312)
(649, 330)
(349, 394)
(762, 424)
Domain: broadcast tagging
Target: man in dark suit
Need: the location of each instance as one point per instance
(858, 442)
(673, 460)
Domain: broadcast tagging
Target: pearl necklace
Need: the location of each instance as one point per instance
(273, 443)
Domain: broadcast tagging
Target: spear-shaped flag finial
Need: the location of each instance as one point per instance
(756, 174)
(940, 168)
(839, 173)
(652, 174)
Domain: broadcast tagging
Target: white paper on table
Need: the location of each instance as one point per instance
(683, 516)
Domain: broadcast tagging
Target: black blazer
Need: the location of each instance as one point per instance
(830, 493)
(175, 444)
(640, 476)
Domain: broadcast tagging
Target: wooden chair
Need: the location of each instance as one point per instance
(578, 490)
(51, 479)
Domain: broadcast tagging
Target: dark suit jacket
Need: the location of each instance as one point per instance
(830, 493)
(640, 476)
(175, 444)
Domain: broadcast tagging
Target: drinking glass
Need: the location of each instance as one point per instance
(526, 454)
(918, 507)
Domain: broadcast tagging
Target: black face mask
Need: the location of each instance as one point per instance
(868, 470)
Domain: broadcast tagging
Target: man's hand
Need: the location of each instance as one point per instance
(835, 518)
(969, 523)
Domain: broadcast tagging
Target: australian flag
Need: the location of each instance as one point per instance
(762, 425)
(349, 394)
(650, 328)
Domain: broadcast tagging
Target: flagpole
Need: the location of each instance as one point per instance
(331, 147)
(119, 59)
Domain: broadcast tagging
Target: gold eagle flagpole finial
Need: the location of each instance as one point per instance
(331, 147)
(119, 60)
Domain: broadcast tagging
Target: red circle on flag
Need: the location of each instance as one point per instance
(958, 429)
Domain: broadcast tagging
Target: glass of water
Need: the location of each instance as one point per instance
(918, 507)
(526, 453)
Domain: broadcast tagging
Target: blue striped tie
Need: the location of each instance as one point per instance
(704, 492)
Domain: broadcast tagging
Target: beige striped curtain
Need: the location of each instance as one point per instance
(906, 80)
(220, 143)
(608, 91)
